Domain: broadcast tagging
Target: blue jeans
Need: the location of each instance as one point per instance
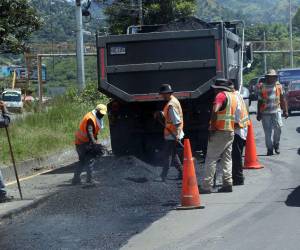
(2, 186)
(272, 122)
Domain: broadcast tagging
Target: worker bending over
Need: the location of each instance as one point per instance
(86, 142)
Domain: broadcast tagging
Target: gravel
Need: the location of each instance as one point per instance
(126, 200)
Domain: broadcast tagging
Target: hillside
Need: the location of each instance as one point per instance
(257, 11)
(59, 20)
(59, 17)
(211, 10)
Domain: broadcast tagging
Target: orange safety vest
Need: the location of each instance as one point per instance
(265, 96)
(224, 119)
(169, 126)
(81, 135)
(244, 115)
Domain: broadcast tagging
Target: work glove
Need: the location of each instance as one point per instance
(98, 150)
(4, 120)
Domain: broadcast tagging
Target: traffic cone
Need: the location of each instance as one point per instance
(190, 197)
(251, 160)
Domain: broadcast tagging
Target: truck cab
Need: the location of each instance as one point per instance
(13, 100)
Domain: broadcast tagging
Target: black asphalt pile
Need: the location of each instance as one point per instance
(188, 23)
(126, 200)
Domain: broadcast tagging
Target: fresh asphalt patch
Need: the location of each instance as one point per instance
(124, 202)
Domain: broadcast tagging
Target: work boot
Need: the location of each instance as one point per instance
(225, 189)
(6, 198)
(76, 181)
(204, 191)
(270, 152)
(238, 180)
(277, 151)
(92, 182)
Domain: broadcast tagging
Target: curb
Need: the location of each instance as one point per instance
(9, 215)
(34, 166)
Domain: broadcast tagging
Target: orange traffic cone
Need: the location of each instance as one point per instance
(190, 197)
(251, 160)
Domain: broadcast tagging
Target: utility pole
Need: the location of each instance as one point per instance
(40, 80)
(79, 46)
(141, 12)
(265, 55)
(291, 36)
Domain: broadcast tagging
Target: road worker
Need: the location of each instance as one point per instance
(242, 122)
(173, 131)
(86, 142)
(271, 102)
(3, 193)
(221, 135)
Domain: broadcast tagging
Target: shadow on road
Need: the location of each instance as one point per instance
(298, 129)
(293, 199)
(64, 170)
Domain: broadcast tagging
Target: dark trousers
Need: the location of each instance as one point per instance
(86, 160)
(237, 158)
(170, 156)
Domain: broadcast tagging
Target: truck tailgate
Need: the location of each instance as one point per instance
(132, 67)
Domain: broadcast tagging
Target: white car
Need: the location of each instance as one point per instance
(13, 100)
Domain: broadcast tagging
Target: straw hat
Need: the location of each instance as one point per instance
(271, 72)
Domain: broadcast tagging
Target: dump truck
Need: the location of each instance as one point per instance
(188, 54)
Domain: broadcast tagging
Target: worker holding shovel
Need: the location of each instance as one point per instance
(4, 121)
(173, 130)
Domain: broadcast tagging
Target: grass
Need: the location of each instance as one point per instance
(49, 131)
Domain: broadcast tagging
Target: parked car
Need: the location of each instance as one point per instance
(293, 96)
(286, 76)
(253, 83)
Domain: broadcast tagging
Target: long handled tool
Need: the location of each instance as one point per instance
(171, 132)
(14, 163)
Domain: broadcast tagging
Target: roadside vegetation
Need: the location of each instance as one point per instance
(52, 129)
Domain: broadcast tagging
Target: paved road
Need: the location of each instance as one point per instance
(129, 209)
(263, 214)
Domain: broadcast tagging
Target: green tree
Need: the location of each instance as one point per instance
(121, 13)
(296, 22)
(17, 21)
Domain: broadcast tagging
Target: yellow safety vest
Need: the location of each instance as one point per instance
(169, 126)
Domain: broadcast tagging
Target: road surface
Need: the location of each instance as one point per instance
(129, 210)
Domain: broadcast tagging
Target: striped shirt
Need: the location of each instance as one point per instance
(271, 102)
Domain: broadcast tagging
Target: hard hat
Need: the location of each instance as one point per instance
(102, 109)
